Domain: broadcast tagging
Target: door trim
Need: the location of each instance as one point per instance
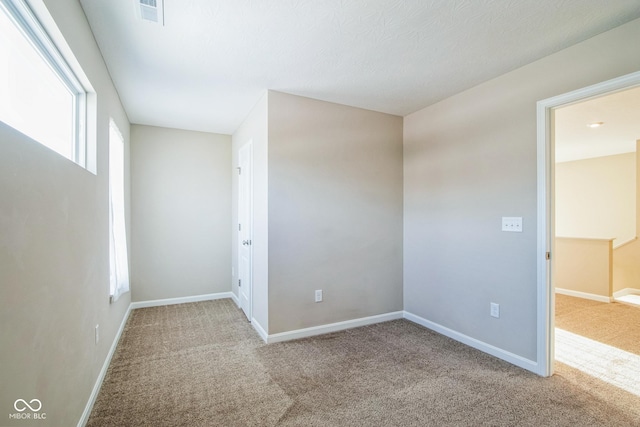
(545, 200)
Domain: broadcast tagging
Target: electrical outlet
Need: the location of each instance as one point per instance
(495, 310)
(97, 334)
(319, 295)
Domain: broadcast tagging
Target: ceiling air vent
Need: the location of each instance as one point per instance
(152, 11)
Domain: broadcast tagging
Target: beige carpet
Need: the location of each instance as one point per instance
(201, 364)
(615, 324)
(605, 343)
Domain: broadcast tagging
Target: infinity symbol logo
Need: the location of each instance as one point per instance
(35, 408)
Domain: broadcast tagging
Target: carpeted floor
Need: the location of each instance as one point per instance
(603, 340)
(201, 364)
(615, 324)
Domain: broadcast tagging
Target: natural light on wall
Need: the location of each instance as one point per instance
(39, 94)
(119, 276)
(609, 364)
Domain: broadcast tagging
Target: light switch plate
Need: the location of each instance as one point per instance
(512, 223)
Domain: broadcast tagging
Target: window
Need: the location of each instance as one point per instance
(119, 271)
(40, 95)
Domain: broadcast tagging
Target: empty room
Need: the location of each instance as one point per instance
(336, 213)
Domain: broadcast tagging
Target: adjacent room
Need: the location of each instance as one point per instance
(596, 197)
(312, 213)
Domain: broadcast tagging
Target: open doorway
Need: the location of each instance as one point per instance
(595, 197)
(596, 247)
(589, 339)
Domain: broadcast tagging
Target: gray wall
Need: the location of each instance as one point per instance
(335, 212)
(471, 159)
(54, 254)
(254, 129)
(181, 215)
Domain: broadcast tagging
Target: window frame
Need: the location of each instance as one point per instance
(30, 26)
(119, 275)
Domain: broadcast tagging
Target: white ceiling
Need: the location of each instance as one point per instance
(213, 59)
(620, 115)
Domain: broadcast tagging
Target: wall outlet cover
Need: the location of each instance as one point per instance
(495, 310)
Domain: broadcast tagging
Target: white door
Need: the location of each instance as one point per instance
(245, 227)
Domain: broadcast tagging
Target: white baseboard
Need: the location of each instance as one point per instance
(626, 291)
(260, 330)
(181, 300)
(103, 371)
(584, 295)
(514, 359)
(332, 327)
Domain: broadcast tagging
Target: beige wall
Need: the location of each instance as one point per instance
(54, 255)
(254, 129)
(471, 159)
(626, 267)
(596, 198)
(181, 196)
(626, 259)
(584, 265)
(335, 212)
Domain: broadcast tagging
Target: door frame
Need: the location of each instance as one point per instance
(546, 206)
(248, 144)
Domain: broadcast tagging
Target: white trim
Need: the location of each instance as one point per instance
(103, 371)
(585, 295)
(333, 327)
(545, 298)
(181, 300)
(26, 20)
(260, 330)
(626, 242)
(626, 291)
(512, 358)
(235, 299)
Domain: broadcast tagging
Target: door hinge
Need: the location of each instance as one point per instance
(239, 227)
(239, 170)
(239, 283)
(548, 255)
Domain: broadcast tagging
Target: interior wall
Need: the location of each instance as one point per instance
(181, 192)
(335, 212)
(471, 159)
(584, 265)
(54, 252)
(254, 129)
(626, 269)
(596, 198)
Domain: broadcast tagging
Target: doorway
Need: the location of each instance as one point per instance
(546, 206)
(596, 253)
(245, 228)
